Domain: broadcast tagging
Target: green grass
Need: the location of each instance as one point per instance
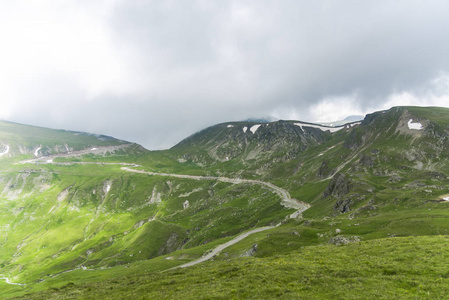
(401, 268)
(46, 235)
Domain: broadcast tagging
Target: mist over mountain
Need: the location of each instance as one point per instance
(354, 118)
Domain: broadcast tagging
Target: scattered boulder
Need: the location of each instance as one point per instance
(252, 251)
(343, 240)
(368, 207)
(307, 223)
(436, 175)
(395, 178)
(186, 204)
(139, 224)
(375, 151)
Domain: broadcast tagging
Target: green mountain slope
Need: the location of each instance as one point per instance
(69, 220)
(252, 141)
(79, 209)
(17, 139)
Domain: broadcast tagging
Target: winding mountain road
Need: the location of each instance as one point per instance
(221, 247)
(286, 200)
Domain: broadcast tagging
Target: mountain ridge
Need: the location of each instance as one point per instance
(19, 139)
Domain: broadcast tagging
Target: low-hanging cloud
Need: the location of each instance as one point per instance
(153, 72)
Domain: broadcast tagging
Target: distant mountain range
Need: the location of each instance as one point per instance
(269, 119)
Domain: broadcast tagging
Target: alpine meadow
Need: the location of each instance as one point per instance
(253, 209)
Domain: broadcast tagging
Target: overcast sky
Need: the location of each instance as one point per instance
(154, 72)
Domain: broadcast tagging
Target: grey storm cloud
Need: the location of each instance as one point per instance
(191, 64)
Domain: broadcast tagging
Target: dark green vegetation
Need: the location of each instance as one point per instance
(95, 230)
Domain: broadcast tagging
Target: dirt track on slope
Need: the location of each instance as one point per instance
(9, 282)
(286, 199)
(221, 247)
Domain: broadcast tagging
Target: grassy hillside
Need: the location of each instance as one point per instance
(84, 227)
(55, 218)
(62, 212)
(401, 268)
(18, 139)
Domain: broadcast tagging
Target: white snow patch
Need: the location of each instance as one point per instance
(93, 149)
(446, 199)
(415, 126)
(323, 128)
(300, 125)
(230, 126)
(6, 151)
(245, 129)
(355, 124)
(254, 128)
(36, 152)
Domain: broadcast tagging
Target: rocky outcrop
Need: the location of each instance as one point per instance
(339, 186)
(343, 240)
(366, 161)
(325, 170)
(436, 175)
(338, 189)
(354, 140)
(343, 206)
(251, 251)
(282, 140)
(171, 244)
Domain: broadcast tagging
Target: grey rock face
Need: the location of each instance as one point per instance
(339, 186)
